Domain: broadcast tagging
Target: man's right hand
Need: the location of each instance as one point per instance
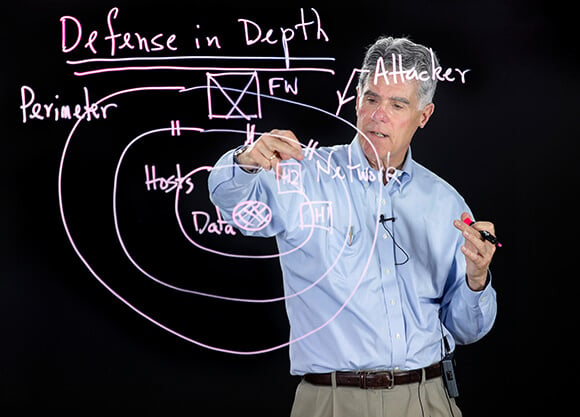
(270, 149)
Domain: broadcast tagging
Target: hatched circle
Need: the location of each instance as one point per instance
(252, 215)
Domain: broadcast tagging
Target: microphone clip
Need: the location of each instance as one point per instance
(384, 219)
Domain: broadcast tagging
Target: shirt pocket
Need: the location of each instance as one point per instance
(344, 249)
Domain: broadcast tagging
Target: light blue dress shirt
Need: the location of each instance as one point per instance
(361, 294)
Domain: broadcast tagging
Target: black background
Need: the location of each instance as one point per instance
(507, 140)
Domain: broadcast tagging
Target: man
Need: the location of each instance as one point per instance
(384, 270)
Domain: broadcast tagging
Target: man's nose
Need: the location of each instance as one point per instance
(379, 115)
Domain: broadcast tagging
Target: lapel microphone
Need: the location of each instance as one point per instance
(384, 219)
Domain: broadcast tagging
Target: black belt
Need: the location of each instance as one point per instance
(375, 379)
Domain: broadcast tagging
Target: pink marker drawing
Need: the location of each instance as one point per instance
(252, 215)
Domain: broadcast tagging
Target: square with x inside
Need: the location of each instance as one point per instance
(233, 95)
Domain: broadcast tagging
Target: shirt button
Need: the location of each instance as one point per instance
(387, 271)
(393, 302)
(398, 336)
(385, 236)
(383, 202)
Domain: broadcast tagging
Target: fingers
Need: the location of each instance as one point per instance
(474, 243)
(287, 145)
(272, 148)
(466, 224)
(282, 145)
(478, 251)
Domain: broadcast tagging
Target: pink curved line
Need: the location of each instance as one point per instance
(182, 228)
(285, 297)
(199, 246)
(232, 255)
(151, 319)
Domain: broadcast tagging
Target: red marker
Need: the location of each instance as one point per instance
(485, 235)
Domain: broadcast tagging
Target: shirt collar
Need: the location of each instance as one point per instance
(401, 177)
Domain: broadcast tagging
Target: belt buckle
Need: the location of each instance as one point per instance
(387, 376)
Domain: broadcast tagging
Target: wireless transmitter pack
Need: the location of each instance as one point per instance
(449, 376)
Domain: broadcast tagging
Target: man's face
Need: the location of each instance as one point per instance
(388, 114)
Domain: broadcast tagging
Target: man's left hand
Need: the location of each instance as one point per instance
(478, 252)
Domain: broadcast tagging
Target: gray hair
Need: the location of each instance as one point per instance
(412, 56)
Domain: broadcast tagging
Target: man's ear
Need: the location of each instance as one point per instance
(357, 96)
(426, 114)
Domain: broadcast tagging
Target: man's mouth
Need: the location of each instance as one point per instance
(379, 134)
